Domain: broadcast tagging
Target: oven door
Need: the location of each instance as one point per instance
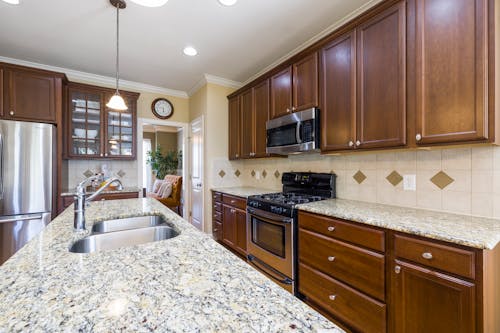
(270, 240)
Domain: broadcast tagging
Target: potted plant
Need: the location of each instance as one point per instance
(163, 164)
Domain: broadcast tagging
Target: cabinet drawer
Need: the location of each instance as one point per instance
(357, 267)
(217, 207)
(117, 196)
(446, 258)
(235, 201)
(217, 215)
(217, 196)
(349, 232)
(217, 230)
(348, 305)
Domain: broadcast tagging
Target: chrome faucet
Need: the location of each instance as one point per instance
(81, 201)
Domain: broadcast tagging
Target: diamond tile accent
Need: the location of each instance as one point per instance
(394, 178)
(237, 173)
(442, 180)
(222, 174)
(121, 173)
(253, 173)
(277, 174)
(88, 173)
(264, 173)
(359, 177)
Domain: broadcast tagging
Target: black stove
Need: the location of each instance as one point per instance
(298, 188)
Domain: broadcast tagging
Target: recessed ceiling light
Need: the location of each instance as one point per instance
(150, 3)
(12, 2)
(190, 51)
(227, 2)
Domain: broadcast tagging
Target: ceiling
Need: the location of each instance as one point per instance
(234, 43)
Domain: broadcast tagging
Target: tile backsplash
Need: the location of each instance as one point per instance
(463, 180)
(78, 170)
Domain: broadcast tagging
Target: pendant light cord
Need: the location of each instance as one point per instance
(117, 43)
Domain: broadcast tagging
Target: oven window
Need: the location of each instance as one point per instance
(269, 236)
(282, 136)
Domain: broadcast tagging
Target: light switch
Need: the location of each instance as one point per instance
(410, 182)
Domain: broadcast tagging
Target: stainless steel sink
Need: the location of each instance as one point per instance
(117, 239)
(127, 223)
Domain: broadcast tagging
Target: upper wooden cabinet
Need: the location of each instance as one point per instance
(247, 124)
(261, 116)
(95, 131)
(450, 53)
(296, 87)
(30, 94)
(234, 128)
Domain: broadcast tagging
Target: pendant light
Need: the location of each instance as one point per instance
(116, 102)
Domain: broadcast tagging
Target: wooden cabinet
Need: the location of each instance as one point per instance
(234, 128)
(95, 131)
(30, 94)
(247, 124)
(69, 200)
(296, 87)
(261, 116)
(449, 51)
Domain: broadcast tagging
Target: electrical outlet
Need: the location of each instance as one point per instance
(257, 175)
(410, 182)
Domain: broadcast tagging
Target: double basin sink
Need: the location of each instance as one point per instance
(113, 234)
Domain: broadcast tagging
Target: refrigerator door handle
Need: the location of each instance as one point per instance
(9, 219)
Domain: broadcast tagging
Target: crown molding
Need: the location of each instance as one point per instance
(316, 38)
(74, 75)
(208, 78)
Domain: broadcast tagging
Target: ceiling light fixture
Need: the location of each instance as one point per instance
(12, 2)
(190, 51)
(116, 102)
(150, 3)
(227, 2)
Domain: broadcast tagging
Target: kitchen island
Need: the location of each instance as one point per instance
(186, 284)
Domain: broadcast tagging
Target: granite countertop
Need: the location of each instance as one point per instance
(186, 284)
(130, 189)
(244, 191)
(477, 232)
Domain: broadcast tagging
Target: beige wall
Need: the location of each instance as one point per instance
(167, 141)
(198, 103)
(181, 107)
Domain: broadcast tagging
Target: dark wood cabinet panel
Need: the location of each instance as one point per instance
(261, 109)
(247, 124)
(29, 95)
(2, 71)
(234, 128)
(241, 231)
(229, 226)
(217, 230)
(338, 93)
(305, 83)
(381, 54)
(234, 234)
(281, 93)
(427, 301)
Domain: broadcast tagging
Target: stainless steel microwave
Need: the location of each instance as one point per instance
(294, 133)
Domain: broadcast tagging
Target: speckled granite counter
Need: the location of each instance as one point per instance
(68, 192)
(185, 284)
(482, 233)
(244, 191)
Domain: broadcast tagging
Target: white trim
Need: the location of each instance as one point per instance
(74, 75)
(314, 39)
(208, 78)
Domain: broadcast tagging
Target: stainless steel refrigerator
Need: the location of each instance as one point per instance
(26, 175)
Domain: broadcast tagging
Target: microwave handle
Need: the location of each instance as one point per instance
(297, 132)
(269, 271)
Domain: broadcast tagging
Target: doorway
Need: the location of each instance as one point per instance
(196, 173)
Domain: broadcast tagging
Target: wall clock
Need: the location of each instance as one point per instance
(162, 108)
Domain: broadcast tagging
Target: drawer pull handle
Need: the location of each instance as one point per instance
(331, 258)
(233, 201)
(397, 269)
(233, 211)
(332, 297)
(427, 255)
(331, 228)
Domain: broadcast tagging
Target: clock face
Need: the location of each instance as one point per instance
(162, 108)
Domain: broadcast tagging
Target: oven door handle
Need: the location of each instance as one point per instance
(269, 271)
(269, 216)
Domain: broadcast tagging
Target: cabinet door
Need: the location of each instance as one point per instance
(120, 130)
(305, 83)
(338, 94)
(2, 91)
(229, 226)
(241, 231)
(427, 301)
(451, 70)
(281, 93)
(30, 95)
(381, 52)
(234, 128)
(261, 110)
(247, 123)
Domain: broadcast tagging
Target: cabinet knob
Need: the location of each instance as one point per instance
(233, 201)
(358, 143)
(101, 154)
(294, 108)
(332, 297)
(11, 113)
(215, 229)
(418, 137)
(233, 211)
(427, 255)
(288, 110)
(237, 155)
(330, 228)
(351, 144)
(331, 258)
(397, 269)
